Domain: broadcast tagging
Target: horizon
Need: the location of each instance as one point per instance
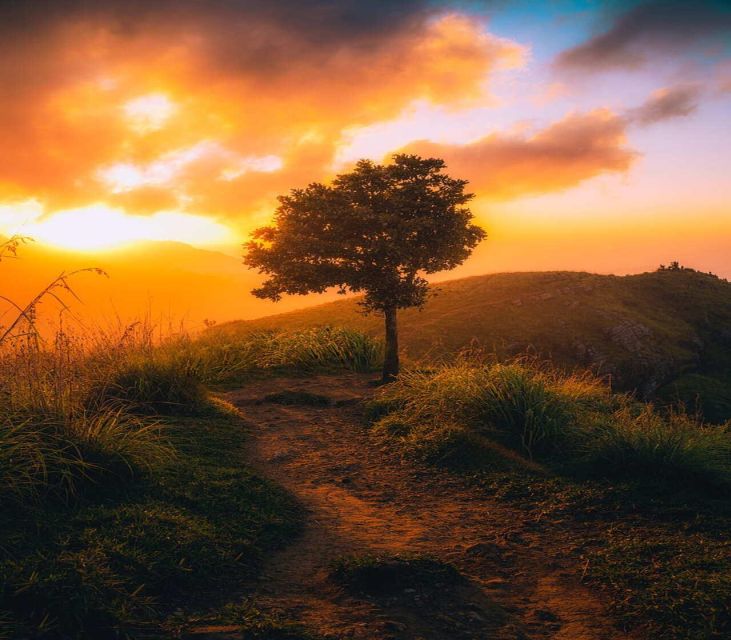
(597, 145)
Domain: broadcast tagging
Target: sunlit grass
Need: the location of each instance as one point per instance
(572, 422)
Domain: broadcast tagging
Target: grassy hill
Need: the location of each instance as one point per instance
(665, 333)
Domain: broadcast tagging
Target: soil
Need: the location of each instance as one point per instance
(520, 579)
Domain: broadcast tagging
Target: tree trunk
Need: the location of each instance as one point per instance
(390, 361)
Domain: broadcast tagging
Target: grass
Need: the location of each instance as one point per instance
(84, 406)
(148, 556)
(638, 494)
(639, 442)
(570, 422)
(128, 509)
(659, 554)
(227, 358)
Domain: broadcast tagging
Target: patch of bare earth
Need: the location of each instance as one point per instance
(362, 498)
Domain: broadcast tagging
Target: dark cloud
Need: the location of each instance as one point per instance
(660, 26)
(577, 148)
(665, 104)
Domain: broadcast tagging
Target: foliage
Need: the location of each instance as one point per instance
(374, 230)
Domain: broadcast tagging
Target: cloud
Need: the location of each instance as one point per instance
(655, 27)
(566, 153)
(665, 104)
(97, 99)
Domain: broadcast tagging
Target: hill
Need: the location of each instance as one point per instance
(665, 333)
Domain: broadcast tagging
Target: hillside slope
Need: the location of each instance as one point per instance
(647, 331)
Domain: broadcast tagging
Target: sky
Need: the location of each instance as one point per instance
(596, 135)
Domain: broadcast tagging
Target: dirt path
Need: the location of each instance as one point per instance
(363, 499)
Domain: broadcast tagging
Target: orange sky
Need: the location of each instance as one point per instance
(589, 145)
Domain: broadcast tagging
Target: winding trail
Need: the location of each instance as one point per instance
(361, 498)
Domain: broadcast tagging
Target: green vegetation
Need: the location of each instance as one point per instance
(706, 395)
(226, 358)
(572, 423)
(640, 493)
(81, 408)
(138, 558)
(645, 331)
(128, 510)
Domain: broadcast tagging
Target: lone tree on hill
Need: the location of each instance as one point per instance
(375, 230)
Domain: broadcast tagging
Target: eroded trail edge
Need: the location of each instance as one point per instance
(362, 498)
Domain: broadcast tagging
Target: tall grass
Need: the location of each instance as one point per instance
(530, 407)
(82, 406)
(638, 441)
(52, 439)
(224, 357)
(570, 421)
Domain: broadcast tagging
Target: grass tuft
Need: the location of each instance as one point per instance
(466, 413)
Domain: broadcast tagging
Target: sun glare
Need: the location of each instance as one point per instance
(149, 112)
(99, 227)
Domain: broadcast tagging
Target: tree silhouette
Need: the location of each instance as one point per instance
(375, 230)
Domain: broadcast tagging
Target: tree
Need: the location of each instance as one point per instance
(376, 230)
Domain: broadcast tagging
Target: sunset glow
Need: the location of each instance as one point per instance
(190, 125)
(98, 227)
(150, 112)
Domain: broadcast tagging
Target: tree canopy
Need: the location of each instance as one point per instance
(375, 230)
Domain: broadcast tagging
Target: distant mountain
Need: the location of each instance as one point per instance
(170, 281)
(666, 333)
